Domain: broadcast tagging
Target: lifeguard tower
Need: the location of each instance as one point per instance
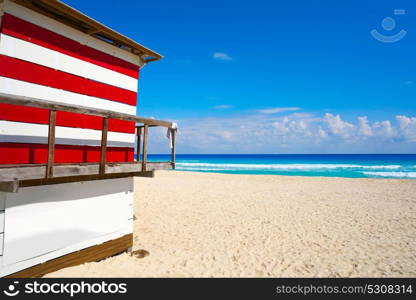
(68, 133)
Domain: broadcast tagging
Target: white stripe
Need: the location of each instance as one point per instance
(69, 32)
(22, 88)
(27, 51)
(18, 132)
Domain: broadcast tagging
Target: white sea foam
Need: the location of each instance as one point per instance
(219, 166)
(201, 169)
(392, 174)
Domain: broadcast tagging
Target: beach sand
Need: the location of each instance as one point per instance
(219, 225)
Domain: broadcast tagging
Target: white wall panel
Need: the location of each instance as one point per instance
(1, 243)
(43, 219)
(27, 89)
(27, 51)
(6, 269)
(18, 132)
(2, 221)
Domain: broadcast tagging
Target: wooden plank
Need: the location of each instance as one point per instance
(90, 254)
(139, 142)
(18, 173)
(145, 135)
(103, 154)
(149, 174)
(51, 143)
(70, 170)
(51, 105)
(93, 31)
(9, 186)
(59, 180)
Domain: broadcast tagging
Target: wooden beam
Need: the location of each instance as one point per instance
(139, 142)
(145, 135)
(51, 144)
(93, 31)
(52, 105)
(37, 172)
(149, 174)
(60, 180)
(142, 126)
(9, 186)
(80, 178)
(89, 254)
(103, 154)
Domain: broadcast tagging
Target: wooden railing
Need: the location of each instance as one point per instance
(141, 149)
(53, 107)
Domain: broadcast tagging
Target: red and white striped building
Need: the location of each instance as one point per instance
(45, 58)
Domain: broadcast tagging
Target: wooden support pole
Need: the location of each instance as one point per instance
(51, 144)
(145, 136)
(103, 155)
(139, 141)
(173, 148)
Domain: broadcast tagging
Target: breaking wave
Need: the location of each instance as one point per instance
(265, 167)
(392, 174)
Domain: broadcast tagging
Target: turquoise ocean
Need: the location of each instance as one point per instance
(334, 165)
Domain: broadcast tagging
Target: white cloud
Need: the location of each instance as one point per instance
(301, 115)
(223, 106)
(221, 56)
(363, 127)
(276, 110)
(322, 133)
(225, 134)
(384, 129)
(407, 128)
(294, 133)
(337, 126)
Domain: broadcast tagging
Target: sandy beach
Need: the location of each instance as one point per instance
(218, 225)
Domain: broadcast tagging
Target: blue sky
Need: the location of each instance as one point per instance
(299, 76)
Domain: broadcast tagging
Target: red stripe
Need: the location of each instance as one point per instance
(27, 114)
(27, 31)
(16, 153)
(30, 72)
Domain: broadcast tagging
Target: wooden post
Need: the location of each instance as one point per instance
(145, 135)
(103, 155)
(51, 143)
(173, 148)
(139, 141)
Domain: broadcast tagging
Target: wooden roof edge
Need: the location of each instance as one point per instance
(78, 20)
